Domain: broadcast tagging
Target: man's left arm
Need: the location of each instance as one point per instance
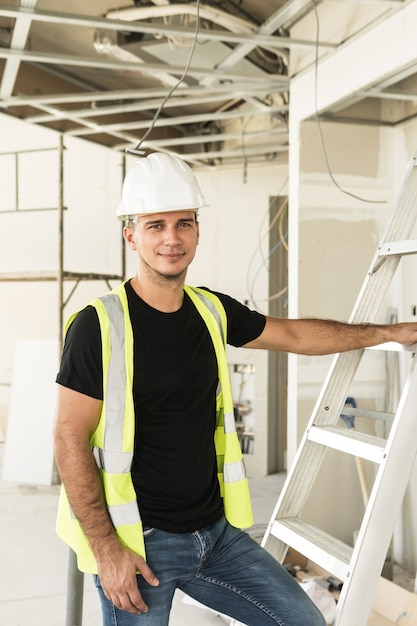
(318, 337)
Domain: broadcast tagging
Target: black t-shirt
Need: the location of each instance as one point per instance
(174, 468)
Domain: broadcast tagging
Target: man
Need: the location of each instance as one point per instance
(155, 488)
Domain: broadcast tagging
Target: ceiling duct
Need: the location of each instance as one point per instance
(268, 60)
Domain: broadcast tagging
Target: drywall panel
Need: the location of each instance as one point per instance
(334, 257)
(351, 150)
(28, 455)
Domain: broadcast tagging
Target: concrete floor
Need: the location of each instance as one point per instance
(34, 562)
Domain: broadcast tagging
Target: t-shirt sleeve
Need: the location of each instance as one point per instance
(81, 366)
(243, 324)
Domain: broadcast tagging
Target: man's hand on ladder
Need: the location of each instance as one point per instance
(404, 333)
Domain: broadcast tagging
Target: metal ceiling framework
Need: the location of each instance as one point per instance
(230, 108)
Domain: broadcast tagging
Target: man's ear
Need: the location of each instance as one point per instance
(128, 236)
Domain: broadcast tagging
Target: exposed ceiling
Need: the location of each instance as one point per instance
(101, 69)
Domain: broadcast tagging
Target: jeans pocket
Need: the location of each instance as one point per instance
(148, 531)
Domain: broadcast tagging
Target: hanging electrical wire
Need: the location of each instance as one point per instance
(278, 217)
(323, 145)
(137, 149)
(245, 158)
(277, 295)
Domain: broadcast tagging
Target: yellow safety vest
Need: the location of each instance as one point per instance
(113, 441)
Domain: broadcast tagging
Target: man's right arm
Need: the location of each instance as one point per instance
(77, 417)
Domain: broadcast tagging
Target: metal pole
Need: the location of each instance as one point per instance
(60, 276)
(123, 248)
(75, 592)
(75, 578)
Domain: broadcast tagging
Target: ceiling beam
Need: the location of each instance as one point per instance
(383, 3)
(147, 105)
(98, 63)
(238, 153)
(390, 95)
(130, 140)
(376, 89)
(271, 25)
(159, 29)
(214, 137)
(230, 90)
(392, 40)
(18, 42)
(178, 120)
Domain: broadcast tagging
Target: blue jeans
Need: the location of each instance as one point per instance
(223, 568)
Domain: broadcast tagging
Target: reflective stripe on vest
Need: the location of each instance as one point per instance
(234, 472)
(124, 514)
(116, 378)
(229, 423)
(113, 462)
(111, 458)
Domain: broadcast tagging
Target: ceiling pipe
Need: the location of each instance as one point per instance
(212, 14)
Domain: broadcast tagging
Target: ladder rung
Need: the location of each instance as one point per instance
(350, 441)
(326, 551)
(393, 346)
(368, 413)
(407, 246)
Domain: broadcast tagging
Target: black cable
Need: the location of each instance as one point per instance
(137, 150)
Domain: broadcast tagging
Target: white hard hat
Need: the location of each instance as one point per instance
(158, 183)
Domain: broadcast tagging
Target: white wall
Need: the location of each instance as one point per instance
(29, 246)
(29, 241)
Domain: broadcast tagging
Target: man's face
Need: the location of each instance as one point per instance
(165, 242)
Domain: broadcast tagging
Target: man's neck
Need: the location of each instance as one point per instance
(165, 295)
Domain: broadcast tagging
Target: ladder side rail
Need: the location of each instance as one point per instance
(278, 548)
(371, 297)
(381, 272)
(294, 493)
(404, 211)
(389, 488)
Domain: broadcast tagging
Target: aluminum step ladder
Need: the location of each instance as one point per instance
(359, 568)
